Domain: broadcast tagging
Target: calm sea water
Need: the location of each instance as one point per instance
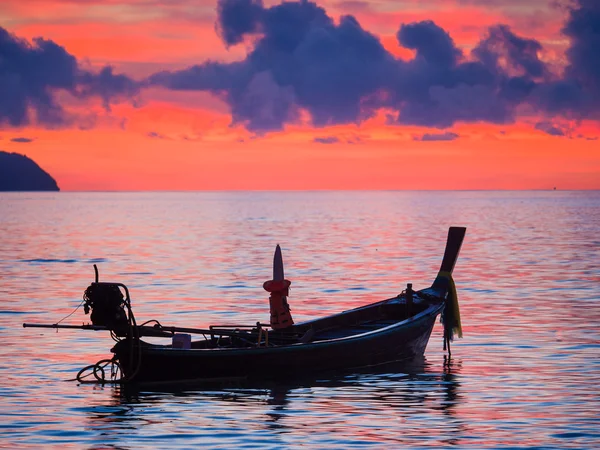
(526, 374)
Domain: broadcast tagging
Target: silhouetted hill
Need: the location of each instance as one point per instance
(19, 173)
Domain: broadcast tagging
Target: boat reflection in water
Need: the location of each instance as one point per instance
(379, 403)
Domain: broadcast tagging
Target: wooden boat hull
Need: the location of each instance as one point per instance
(384, 332)
(402, 340)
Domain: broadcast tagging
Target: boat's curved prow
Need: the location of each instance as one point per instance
(444, 287)
(454, 242)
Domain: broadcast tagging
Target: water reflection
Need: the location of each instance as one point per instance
(528, 281)
(373, 401)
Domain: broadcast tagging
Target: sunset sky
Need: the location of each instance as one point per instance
(244, 94)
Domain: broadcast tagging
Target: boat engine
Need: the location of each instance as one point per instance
(107, 304)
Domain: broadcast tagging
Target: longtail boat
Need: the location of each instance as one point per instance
(390, 330)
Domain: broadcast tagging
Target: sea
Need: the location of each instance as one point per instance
(526, 373)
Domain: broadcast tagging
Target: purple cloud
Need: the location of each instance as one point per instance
(429, 137)
(237, 18)
(519, 54)
(583, 28)
(21, 140)
(326, 140)
(106, 85)
(301, 59)
(550, 128)
(433, 45)
(32, 73)
(155, 135)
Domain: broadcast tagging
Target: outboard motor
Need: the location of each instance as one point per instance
(107, 305)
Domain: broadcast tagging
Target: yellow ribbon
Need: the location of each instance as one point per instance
(453, 299)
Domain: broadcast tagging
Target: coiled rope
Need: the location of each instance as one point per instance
(99, 373)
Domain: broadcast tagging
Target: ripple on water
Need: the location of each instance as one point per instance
(526, 373)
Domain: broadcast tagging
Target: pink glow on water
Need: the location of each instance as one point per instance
(526, 372)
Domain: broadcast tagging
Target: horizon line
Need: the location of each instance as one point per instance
(302, 190)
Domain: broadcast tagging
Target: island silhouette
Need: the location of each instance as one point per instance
(20, 173)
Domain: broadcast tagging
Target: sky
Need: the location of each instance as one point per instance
(301, 95)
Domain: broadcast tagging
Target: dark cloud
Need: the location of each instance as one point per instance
(106, 85)
(579, 92)
(237, 18)
(432, 44)
(520, 55)
(326, 140)
(155, 135)
(501, 73)
(28, 72)
(583, 28)
(575, 95)
(550, 128)
(300, 59)
(32, 73)
(21, 140)
(428, 137)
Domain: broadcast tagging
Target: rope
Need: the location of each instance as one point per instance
(99, 374)
(72, 312)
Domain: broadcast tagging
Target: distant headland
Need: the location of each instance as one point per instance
(20, 173)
